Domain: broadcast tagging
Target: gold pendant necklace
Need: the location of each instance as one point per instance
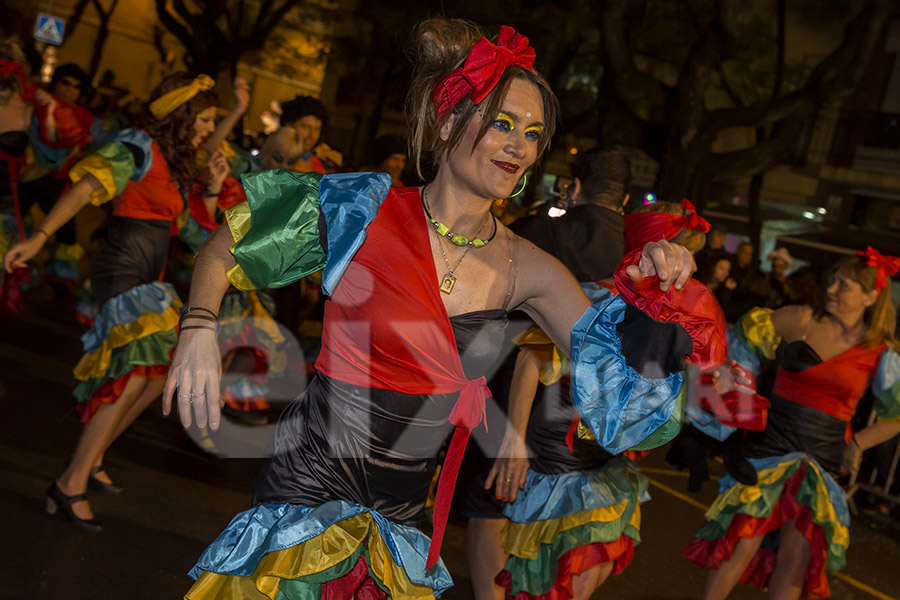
(449, 280)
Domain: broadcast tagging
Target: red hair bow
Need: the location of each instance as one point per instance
(887, 265)
(692, 220)
(10, 67)
(482, 70)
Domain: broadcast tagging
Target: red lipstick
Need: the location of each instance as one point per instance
(508, 167)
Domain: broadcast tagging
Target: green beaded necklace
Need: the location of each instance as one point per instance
(457, 239)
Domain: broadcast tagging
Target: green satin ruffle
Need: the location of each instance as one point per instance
(151, 350)
(283, 244)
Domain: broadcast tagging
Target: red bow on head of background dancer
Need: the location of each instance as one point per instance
(10, 67)
(482, 70)
(887, 265)
(641, 228)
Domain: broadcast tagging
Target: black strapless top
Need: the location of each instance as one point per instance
(375, 447)
(14, 142)
(794, 427)
(798, 356)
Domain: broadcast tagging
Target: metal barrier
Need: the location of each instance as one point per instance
(883, 491)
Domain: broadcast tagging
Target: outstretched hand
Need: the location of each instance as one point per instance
(194, 378)
(672, 263)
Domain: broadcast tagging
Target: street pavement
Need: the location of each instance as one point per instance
(177, 498)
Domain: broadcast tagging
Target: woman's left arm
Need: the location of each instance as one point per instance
(554, 299)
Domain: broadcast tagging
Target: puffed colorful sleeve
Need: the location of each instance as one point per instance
(278, 230)
(126, 156)
(886, 387)
(628, 391)
(753, 341)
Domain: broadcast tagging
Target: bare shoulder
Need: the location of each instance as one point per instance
(537, 272)
(792, 322)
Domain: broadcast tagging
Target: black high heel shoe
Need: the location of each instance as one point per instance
(110, 489)
(95, 484)
(57, 501)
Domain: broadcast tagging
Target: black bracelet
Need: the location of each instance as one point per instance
(190, 309)
(47, 235)
(206, 194)
(853, 439)
(186, 327)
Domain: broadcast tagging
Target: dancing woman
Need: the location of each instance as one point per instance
(791, 528)
(573, 516)
(419, 283)
(147, 173)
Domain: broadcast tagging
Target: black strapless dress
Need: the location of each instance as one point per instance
(794, 427)
(12, 147)
(377, 448)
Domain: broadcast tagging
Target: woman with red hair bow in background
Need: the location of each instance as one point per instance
(419, 282)
(788, 530)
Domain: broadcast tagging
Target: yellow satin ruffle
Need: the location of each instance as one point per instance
(823, 510)
(238, 219)
(335, 544)
(262, 319)
(71, 252)
(583, 433)
(96, 363)
(554, 364)
(100, 167)
(525, 539)
(759, 331)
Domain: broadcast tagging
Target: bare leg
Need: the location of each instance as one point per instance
(790, 568)
(486, 557)
(720, 582)
(584, 584)
(93, 441)
(151, 392)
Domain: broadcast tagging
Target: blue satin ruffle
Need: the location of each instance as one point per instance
(142, 141)
(274, 527)
(618, 405)
(154, 297)
(886, 385)
(349, 202)
(744, 355)
(548, 496)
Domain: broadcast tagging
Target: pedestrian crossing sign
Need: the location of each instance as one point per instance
(49, 29)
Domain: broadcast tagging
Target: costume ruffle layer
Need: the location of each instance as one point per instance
(331, 551)
(246, 323)
(562, 525)
(134, 330)
(619, 406)
(791, 487)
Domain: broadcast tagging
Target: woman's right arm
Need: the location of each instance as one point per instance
(64, 209)
(196, 367)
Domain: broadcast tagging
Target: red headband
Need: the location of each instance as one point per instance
(482, 70)
(10, 67)
(641, 228)
(887, 265)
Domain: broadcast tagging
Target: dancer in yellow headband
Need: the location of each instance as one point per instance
(146, 173)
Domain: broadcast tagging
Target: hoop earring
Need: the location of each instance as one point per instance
(521, 189)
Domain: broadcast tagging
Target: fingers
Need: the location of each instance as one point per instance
(168, 392)
(213, 404)
(491, 476)
(688, 266)
(658, 264)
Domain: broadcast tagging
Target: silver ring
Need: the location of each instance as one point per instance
(508, 479)
(191, 395)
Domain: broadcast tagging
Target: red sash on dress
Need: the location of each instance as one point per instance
(833, 386)
(387, 328)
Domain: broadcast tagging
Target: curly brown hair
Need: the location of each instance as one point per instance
(174, 132)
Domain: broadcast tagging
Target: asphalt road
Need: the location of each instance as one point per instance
(178, 498)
